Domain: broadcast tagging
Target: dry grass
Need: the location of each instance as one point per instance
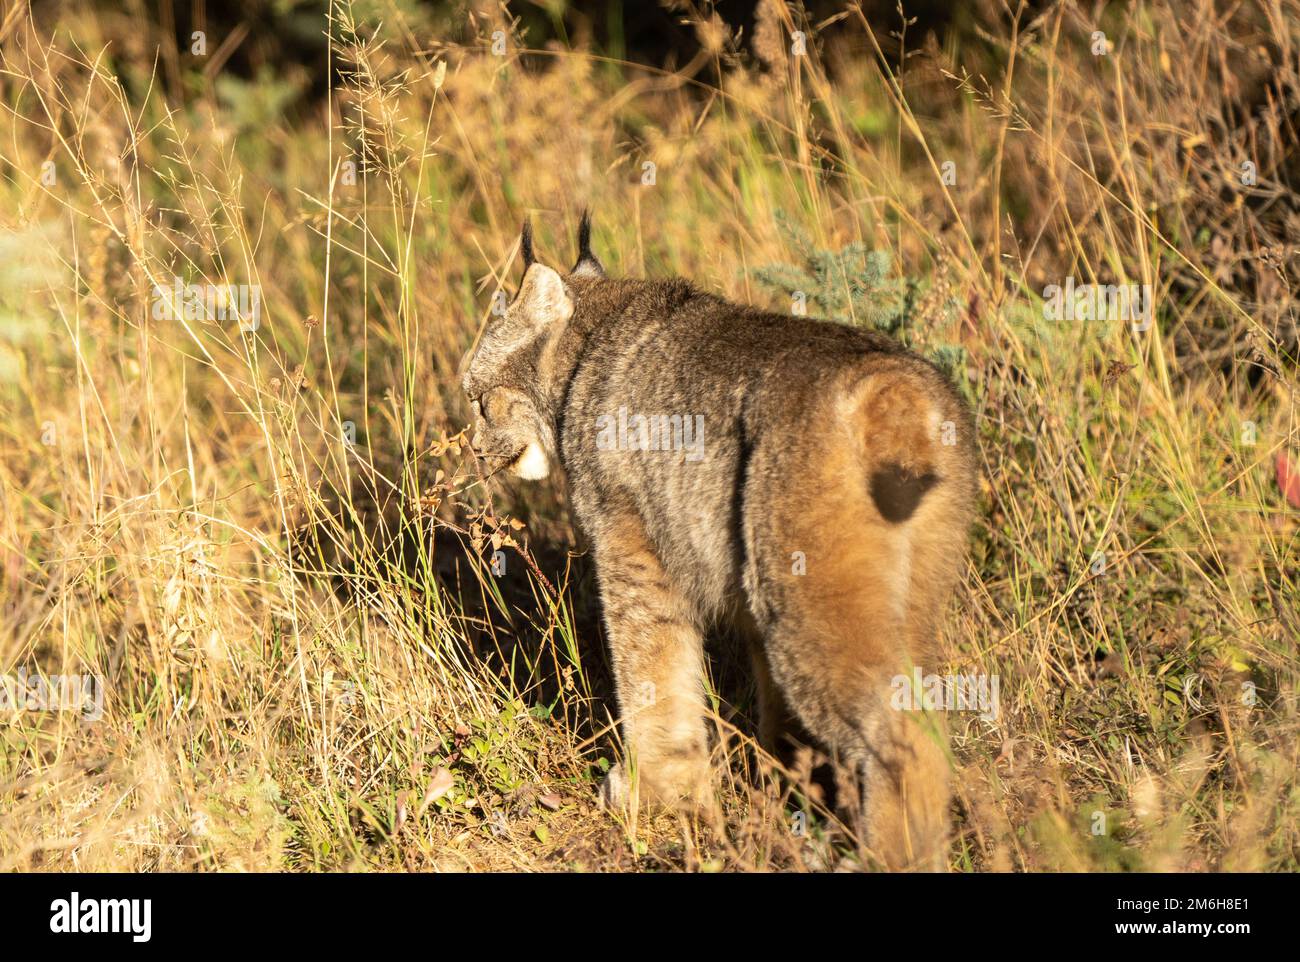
(274, 548)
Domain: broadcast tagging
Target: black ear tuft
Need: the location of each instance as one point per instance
(526, 243)
(586, 264)
(584, 235)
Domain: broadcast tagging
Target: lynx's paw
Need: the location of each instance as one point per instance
(685, 790)
(615, 789)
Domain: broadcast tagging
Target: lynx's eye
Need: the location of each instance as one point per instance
(497, 405)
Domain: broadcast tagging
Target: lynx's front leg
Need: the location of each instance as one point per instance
(657, 652)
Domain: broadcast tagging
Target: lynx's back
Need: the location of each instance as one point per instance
(757, 383)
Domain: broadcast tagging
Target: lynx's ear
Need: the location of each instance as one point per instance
(543, 299)
(587, 265)
(526, 243)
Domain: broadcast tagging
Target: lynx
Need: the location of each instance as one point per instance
(804, 482)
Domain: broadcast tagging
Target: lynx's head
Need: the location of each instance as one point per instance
(506, 378)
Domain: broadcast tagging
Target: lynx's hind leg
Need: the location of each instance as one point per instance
(880, 549)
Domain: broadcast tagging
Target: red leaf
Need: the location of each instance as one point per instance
(1288, 478)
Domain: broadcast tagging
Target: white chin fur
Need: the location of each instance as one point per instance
(533, 464)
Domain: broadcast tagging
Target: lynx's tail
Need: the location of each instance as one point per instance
(902, 426)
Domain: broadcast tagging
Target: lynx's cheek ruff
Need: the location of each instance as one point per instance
(533, 464)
